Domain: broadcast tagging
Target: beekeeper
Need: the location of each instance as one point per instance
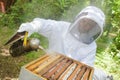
(76, 39)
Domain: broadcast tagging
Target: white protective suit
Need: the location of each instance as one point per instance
(65, 38)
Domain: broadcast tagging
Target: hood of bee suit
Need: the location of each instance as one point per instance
(96, 19)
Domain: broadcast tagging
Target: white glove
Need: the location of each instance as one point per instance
(26, 27)
(31, 27)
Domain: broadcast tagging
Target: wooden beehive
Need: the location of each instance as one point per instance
(59, 67)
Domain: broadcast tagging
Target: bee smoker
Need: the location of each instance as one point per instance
(20, 45)
(17, 48)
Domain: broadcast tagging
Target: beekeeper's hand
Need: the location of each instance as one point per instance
(26, 27)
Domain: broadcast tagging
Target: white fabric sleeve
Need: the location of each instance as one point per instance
(46, 26)
(43, 27)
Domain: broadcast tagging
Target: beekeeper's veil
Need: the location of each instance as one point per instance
(90, 16)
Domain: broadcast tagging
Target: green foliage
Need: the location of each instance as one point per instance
(110, 7)
(108, 53)
(40, 8)
(70, 13)
(11, 20)
(114, 19)
(24, 11)
(33, 55)
(116, 41)
(115, 13)
(64, 4)
(13, 17)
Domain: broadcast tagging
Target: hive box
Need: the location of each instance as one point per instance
(56, 67)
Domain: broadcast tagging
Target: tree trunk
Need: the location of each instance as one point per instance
(5, 4)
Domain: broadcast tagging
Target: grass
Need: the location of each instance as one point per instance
(10, 66)
(5, 34)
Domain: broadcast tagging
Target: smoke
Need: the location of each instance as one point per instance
(47, 51)
(70, 14)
